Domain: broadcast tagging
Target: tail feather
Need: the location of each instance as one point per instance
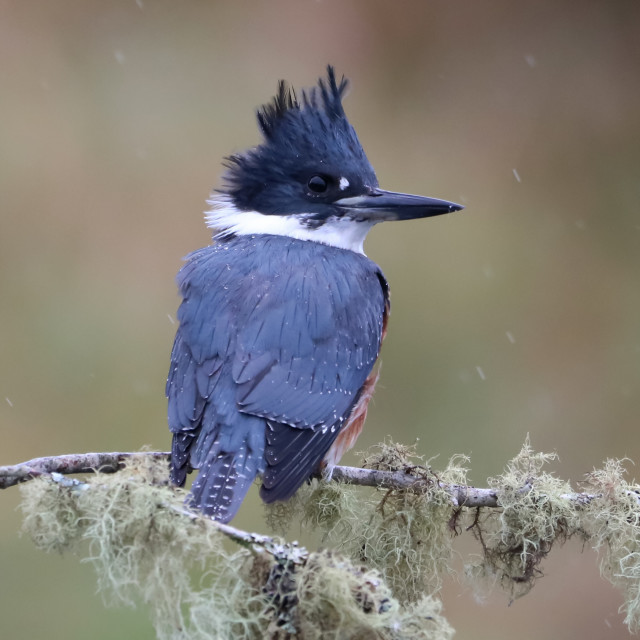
(180, 466)
(223, 482)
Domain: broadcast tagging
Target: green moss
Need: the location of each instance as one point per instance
(317, 506)
(281, 517)
(337, 599)
(534, 516)
(407, 539)
(144, 548)
(393, 456)
(390, 548)
(612, 524)
(51, 515)
(404, 535)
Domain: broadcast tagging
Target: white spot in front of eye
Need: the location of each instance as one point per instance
(343, 184)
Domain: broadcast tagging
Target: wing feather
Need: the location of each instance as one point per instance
(272, 330)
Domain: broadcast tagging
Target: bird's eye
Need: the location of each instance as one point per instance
(317, 184)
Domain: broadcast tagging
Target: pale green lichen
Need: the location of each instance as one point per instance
(51, 515)
(612, 523)
(316, 506)
(144, 547)
(539, 511)
(337, 599)
(534, 515)
(393, 456)
(405, 535)
(390, 548)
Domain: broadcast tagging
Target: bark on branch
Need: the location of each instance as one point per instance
(70, 463)
(461, 495)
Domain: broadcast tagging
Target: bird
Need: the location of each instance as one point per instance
(282, 317)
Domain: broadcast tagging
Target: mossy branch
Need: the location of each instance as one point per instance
(389, 545)
(145, 544)
(72, 463)
(111, 462)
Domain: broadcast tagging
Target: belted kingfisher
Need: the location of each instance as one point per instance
(283, 316)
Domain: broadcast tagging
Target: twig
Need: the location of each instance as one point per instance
(289, 551)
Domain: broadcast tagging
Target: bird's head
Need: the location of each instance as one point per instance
(310, 178)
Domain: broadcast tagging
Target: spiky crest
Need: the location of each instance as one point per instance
(272, 113)
(269, 114)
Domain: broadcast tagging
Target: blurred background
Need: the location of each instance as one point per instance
(520, 315)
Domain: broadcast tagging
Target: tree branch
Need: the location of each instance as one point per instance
(283, 551)
(70, 463)
(290, 552)
(461, 495)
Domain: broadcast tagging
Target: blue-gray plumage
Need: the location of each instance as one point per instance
(283, 317)
(268, 361)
